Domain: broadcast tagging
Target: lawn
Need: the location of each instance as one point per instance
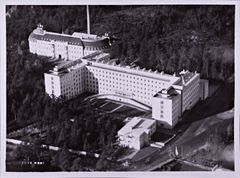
(98, 102)
(110, 106)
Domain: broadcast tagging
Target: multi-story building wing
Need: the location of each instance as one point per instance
(188, 86)
(64, 46)
(169, 104)
(166, 107)
(65, 80)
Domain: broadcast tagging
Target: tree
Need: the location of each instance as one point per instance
(65, 160)
(77, 164)
(102, 163)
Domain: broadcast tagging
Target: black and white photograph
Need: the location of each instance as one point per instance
(122, 88)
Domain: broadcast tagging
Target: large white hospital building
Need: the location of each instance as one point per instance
(88, 68)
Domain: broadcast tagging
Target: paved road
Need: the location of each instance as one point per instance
(158, 158)
(54, 148)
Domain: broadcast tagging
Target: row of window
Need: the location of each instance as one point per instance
(111, 75)
(43, 45)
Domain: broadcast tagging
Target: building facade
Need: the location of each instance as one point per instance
(64, 46)
(170, 104)
(67, 82)
(166, 107)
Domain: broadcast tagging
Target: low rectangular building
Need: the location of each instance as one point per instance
(137, 132)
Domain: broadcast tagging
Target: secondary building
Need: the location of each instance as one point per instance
(137, 133)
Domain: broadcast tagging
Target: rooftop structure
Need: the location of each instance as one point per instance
(170, 93)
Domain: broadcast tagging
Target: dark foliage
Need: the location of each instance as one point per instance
(172, 38)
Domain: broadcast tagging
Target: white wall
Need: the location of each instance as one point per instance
(52, 84)
(191, 93)
(105, 81)
(176, 109)
(75, 52)
(162, 111)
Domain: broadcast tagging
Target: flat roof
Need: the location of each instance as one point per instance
(65, 67)
(185, 77)
(170, 93)
(136, 126)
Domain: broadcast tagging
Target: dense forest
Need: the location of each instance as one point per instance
(28, 103)
(169, 38)
(172, 38)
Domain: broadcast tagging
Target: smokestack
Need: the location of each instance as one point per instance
(88, 20)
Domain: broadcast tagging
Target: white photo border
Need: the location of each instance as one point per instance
(3, 173)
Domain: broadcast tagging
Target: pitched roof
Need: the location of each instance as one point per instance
(48, 36)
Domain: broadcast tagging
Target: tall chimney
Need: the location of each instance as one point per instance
(88, 20)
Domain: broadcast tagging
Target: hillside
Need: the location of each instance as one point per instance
(209, 141)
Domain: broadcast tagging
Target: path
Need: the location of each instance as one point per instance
(54, 148)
